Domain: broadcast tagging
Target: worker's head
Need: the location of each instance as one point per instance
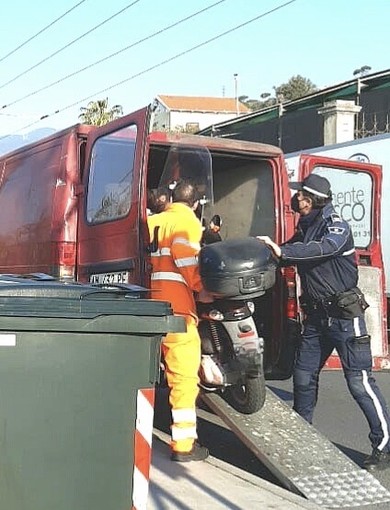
(216, 223)
(312, 193)
(158, 199)
(162, 198)
(185, 191)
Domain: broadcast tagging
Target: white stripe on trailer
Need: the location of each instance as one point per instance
(142, 447)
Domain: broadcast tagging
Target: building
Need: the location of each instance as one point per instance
(188, 113)
(353, 109)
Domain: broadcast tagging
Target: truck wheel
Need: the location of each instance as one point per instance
(247, 397)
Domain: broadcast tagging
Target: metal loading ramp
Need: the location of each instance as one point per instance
(304, 460)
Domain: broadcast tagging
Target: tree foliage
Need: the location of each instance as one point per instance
(252, 104)
(98, 113)
(296, 87)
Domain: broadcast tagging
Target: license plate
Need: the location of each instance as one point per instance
(110, 278)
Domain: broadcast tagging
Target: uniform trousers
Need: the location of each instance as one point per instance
(320, 336)
(182, 355)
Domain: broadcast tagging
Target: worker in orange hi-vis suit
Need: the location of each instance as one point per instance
(175, 277)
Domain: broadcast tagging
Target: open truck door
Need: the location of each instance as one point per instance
(109, 243)
(356, 190)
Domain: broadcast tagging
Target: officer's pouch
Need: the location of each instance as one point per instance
(350, 304)
(363, 339)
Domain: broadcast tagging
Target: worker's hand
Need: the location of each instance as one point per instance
(268, 241)
(205, 297)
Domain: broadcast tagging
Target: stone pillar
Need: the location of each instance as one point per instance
(339, 121)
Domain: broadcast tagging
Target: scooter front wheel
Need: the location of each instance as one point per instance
(248, 396)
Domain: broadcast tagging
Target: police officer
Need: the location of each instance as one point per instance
(324, 253)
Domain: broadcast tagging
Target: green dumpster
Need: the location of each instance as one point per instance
(74, 360)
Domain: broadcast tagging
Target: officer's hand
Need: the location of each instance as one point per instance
(268, 241)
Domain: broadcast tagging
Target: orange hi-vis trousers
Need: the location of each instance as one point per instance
(182, 355)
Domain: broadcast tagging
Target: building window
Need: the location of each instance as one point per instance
(191, 127)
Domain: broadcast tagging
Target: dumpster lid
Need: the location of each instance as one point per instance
(41, 295)
(41, 284)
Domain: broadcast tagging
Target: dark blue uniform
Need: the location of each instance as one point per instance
(324, 253)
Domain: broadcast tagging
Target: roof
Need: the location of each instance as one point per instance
(202, 104)
(344, 90)
(216, 144)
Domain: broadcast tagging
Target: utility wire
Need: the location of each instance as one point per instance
(237, 27)
(69, 44)
(85, 68)
(222, 34)
(40, 32)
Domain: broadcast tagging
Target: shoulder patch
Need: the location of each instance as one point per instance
(336, 230)
(335, 218)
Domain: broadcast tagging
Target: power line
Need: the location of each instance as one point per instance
(168, 27)
(70, 44)
(41, 31)
(237, 27)
(166, 61)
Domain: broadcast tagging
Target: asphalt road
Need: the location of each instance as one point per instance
(337, 417)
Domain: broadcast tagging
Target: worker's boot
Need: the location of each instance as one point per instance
(197, 453)
(377, 461)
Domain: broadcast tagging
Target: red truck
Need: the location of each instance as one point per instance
(74, 205)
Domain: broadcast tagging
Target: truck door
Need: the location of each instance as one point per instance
(356, 189)
(109, 241)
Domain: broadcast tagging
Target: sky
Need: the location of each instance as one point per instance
(46, 45)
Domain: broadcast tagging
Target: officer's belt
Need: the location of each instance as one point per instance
(319, 305)
(347, 304)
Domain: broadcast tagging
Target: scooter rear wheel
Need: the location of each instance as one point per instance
(248, 396)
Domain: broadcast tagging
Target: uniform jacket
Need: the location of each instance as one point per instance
(324, 255)
(175, 274)
(210, 236)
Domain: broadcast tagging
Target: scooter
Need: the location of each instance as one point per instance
(235, 272)
(232, 353)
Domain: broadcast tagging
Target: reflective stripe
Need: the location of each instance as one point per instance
(315, 192)
(184, 415)
(349, 252)
(162, 252)
(168, 275)
(186, 242)
(179, 433)
(187, 261)
(378, 409)
(356, 326)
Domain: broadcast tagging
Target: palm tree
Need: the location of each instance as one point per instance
(97, 113)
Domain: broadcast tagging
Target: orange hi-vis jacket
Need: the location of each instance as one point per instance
(175, 275)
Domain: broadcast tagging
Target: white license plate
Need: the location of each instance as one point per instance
(110, 278)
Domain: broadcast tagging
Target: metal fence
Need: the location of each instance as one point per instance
(372, 123)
